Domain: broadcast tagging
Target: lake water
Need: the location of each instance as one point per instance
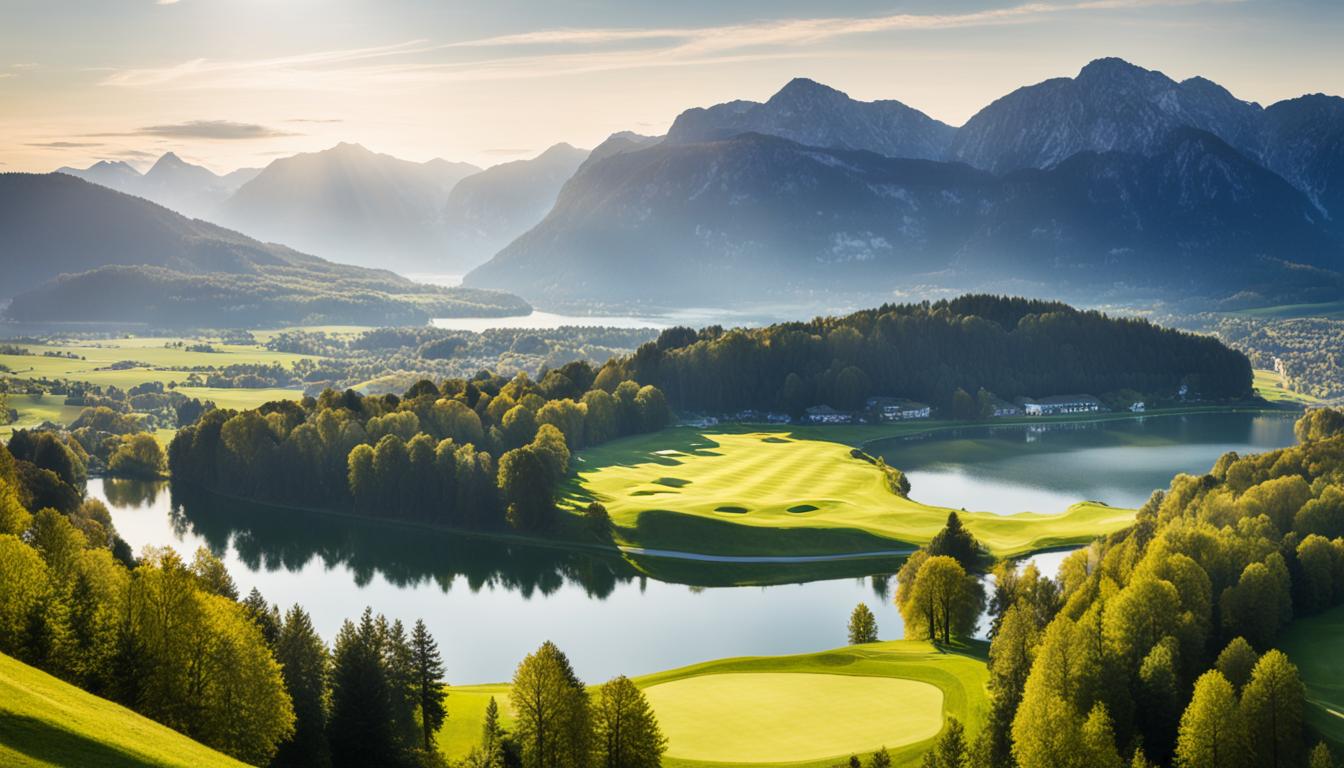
(1045, 468)
(489, 604)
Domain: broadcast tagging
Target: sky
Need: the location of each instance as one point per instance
(237, 83)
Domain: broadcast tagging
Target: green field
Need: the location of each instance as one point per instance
(1313, 645)
(803, 711)
(47, 722)
(1270, 386)
(163, 363)
(1333, 310)
(787, 492)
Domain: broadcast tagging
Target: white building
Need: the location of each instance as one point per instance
(1060, 404)
(825, 414)
(897, 409)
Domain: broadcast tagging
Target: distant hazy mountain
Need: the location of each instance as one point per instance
(72, 250)
(755, 217)
(1110, 105)
(113, 174)
(352, 205)
(487, 210)
(1303, 141)
(624, 141)
(816, 115)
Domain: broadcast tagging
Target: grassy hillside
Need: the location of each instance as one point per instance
(1270, 386)
(803, 711)
(47, 722)
(787, 492)
(1313, 645)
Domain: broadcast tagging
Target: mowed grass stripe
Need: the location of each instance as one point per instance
(669, 490)
(1313, 644)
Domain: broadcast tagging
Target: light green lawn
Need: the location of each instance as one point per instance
(1270, 386)
(1313, 644)
(47, 722)
(728, 492)
(805, 711)
(34, 410)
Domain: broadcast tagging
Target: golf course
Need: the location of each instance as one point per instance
(1313, 644)
(807, 710)
(788, 492)
(47, 722)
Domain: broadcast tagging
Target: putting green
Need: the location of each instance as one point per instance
(788, 492)
(787, 717)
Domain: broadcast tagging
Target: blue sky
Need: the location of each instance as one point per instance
(238, 82)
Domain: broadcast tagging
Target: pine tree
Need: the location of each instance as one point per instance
(881, 759)
(430, 689)
(1211, 729)
(862, 625)
(360, 729)
(627, 731)
(950, 749)
(1271, 710)
(1321, 757)
(305, 667)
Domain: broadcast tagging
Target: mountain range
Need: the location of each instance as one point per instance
(1118, 183)
(351, 204)
(76, 251)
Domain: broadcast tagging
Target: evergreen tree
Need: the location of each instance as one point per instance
(304, 665)
(429, 686)
(958, 543)
(1236, 662)
(949, 751)
(862, 625)
(880, 759)
(1321, 757)
(553, 725)
(266, 615)
(360, 729)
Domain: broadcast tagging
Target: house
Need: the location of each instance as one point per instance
(825, 414)
(1004, 409)
(897, 409)
(701, 421)
(1060, 404)
(1137, 407)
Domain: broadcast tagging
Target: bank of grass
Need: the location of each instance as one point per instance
(770, 710)
(47, 722)
(1313, 645)
(1270, 386)
(788, 492)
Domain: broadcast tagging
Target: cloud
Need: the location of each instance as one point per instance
(570, 51)
(212, 129)
(315, 120)
(64, 144)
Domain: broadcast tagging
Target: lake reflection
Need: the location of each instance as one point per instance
(491, 603)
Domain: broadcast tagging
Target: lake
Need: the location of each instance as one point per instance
(490, 603)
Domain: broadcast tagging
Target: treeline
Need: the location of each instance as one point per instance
(171, 639)
(930, 352)
(475, 453)
(1156, 646)
(1307, 348)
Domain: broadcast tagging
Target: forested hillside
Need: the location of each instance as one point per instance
(931, 352)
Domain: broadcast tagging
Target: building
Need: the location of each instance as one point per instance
(1138, 407)
(825, 414)
(1004, 409)
(896, 409)
(1060, 404)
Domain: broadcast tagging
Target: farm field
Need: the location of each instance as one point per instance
(806, 710)
(787, 493)
(93, 360)
(1270, 386)
(47, 722)
(1313, 645)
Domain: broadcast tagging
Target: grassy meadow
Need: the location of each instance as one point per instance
(1270, 386)
(803, 711)
(787, 492)
(47, 722)
(1313, 644)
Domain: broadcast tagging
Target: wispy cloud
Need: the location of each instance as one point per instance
(225, 130)
(546, 53)
(64, 144)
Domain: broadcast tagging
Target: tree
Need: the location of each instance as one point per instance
(138, 455)
(360, 729)
(304, 664)
(949, 751)
(489, 753)
(1210, 734)
(1159, 700)
(957, 542)
(429, 688)
(1321, 757)
(1271, 710)
(881, 759)
(626, 730)
(862, 625)
(552, 711)
(944, 602)
(1099, 740)
(1237, 661)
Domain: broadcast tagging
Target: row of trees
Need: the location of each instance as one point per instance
(930, 352)
(171, 639)
(470, 454)
(1156, 645)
